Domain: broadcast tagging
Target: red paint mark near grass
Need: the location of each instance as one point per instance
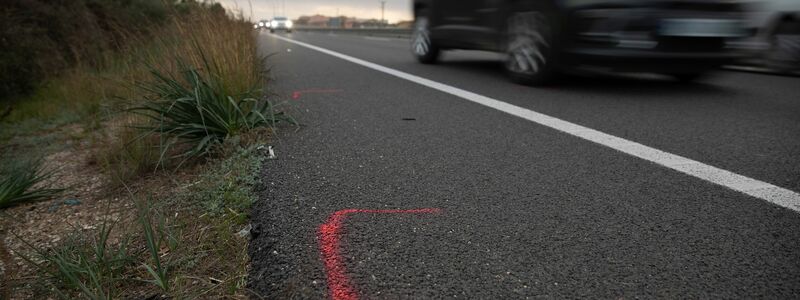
(296, 94)
(329, 240)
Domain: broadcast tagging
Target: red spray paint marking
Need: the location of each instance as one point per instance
(329, 233)
(296, 94)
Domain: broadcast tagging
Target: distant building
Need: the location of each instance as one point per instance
(342, 22)
(302, 21)
(337, 22)
(318, 21)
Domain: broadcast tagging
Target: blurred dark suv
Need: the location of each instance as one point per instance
(681, 38)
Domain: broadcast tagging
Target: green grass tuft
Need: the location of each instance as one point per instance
(196, 110)
(91, 268)
(154, 236)
(24, 183)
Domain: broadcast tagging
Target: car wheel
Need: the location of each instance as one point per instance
(531, 47)
(271, 31)
(784, 53)
(423, 47)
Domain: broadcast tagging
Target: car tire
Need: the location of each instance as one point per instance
(271, 31)
(783, 55)
(288, 31)
(532, 46)
(423, 47)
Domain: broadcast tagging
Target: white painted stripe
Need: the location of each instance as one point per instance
(756, 188)
(372, 38)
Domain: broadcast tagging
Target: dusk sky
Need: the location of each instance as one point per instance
(396, 10)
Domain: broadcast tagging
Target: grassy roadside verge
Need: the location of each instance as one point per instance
(157, 148)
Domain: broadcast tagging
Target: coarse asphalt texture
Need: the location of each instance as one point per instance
(525, 211)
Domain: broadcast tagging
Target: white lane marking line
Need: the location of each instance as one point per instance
(372, 38)
(756, 188)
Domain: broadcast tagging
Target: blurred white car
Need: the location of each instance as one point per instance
(283, 23)
(777, 24)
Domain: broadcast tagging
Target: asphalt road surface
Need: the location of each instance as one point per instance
(393, 189)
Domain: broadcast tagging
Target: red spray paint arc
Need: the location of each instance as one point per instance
(329, 238)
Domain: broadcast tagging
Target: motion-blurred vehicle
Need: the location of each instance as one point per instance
(681, 38)
(262, 24)
(281, 23)
(778, 31)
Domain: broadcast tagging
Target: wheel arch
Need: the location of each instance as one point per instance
(512, 6)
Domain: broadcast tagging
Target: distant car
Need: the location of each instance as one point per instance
(281, 23)
(778, 30)
(681, 38)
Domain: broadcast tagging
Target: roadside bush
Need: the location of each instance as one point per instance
(193, 82)
(39, 39)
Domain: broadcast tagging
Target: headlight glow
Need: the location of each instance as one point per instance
(260, 23)
(274, 23)
(289, 24)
